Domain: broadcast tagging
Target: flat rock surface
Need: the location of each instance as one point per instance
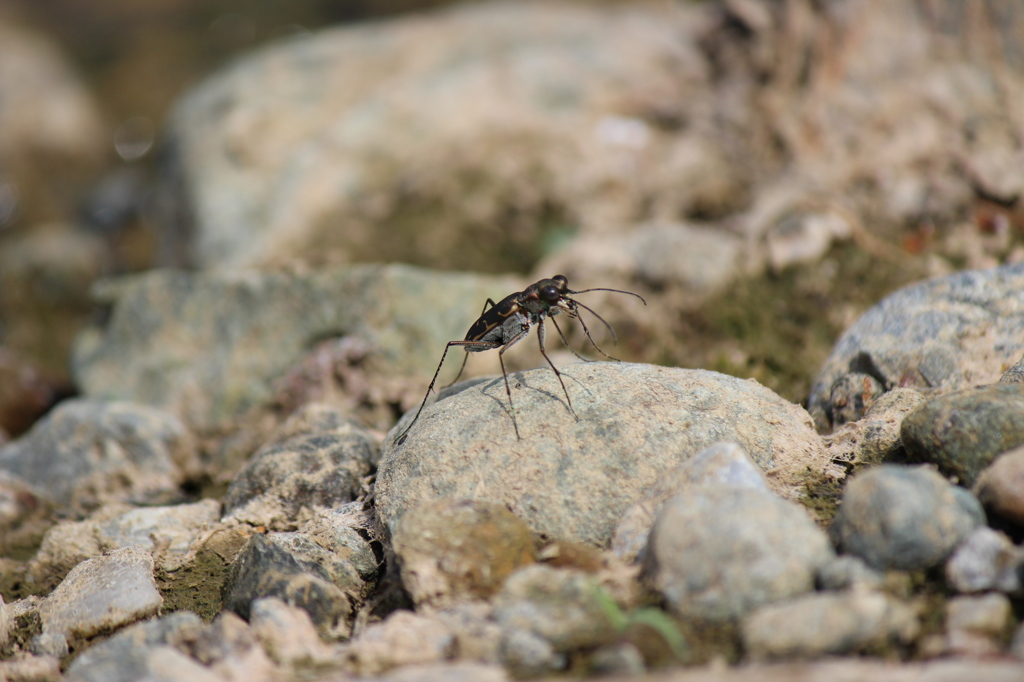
(101, 594)
(574, 479)
(297, 149)
(172, 529)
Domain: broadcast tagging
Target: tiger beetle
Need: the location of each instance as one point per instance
(508, 322)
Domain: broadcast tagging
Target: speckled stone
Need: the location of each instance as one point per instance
(985, 560)
(86, 453)
(315, 462)
(951, 332)
(1014, 375)
(573, 480)
(962, 432)
(294, 568)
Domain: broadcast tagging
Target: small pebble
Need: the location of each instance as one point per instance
(986, 560)
(978, 626)
(718, 553)
(823, 624)
(102, 594)
(903, 517)
(722, 464)
(1001, 487)
(964, 431)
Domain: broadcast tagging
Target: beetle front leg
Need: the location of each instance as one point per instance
(513, 341)
(540, 337)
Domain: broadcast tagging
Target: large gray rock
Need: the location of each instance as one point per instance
(572, 479)
(208, 347)
(717, 553)
(89, 452)
(957, 331)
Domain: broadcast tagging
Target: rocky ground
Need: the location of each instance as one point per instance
(809, 463)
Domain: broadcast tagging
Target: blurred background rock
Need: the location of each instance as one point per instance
(762, 172)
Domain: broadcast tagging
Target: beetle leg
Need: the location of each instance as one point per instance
(540, 337)
(477, 345)
(566, 342)
(465, 356)
(511, 342)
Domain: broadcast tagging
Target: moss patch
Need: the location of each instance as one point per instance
(198, 585)
(780, 328)
(822, 496)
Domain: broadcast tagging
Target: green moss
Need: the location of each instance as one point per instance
(13, 582)
(822, 495)
(198, 586)
(779, 328)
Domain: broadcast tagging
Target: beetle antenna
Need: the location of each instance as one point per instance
(615, 338)
(566, 341)
(618, 291)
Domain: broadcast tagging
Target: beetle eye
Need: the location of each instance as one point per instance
(550, 293)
